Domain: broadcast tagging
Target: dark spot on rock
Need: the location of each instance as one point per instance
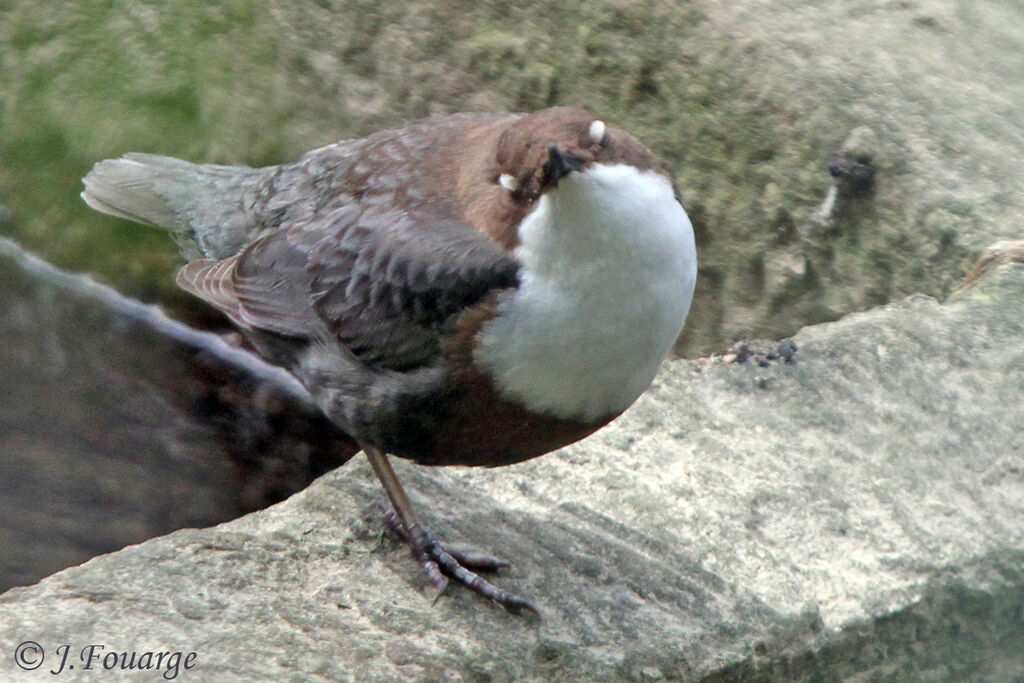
(928, 22)
(786, 350)
(741, 352)
(548, 652)
(854, 174)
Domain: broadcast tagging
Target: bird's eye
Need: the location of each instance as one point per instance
(508, 181)
(598, 133)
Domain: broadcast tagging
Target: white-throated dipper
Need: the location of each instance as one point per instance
(473, 289)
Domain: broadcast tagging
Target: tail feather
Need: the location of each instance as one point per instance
(204, 203)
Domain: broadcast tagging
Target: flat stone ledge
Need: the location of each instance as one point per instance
(854, 515)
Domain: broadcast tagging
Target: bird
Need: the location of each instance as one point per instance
(472, 289)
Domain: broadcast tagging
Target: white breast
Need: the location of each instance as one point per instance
(609, 266)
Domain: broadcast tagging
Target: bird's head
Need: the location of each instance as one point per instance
(539, 150)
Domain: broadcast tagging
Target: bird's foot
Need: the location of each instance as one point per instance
(442, 563)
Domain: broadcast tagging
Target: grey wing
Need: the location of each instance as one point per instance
(383, 283)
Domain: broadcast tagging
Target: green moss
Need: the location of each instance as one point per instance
(257, 83)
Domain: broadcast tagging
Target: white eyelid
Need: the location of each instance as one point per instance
(508, 181)
(597, 131)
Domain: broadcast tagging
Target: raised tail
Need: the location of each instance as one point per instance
(205, 205)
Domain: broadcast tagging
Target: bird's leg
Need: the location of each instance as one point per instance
(438, 562)
(466, 558)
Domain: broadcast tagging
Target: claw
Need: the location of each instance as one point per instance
(437, 561)
(477, 561)
(441, 563)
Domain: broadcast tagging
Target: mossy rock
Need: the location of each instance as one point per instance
(745, 103)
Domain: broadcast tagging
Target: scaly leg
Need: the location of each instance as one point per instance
(439, 562)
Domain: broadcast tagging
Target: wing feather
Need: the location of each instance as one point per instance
(381, 283)
(359, 245)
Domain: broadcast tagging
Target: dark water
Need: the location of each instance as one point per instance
(118, 424)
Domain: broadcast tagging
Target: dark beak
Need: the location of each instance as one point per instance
(558, 165)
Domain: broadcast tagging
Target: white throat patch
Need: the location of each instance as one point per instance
(609, 266)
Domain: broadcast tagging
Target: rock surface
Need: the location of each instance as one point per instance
(746, 100)
(118, 424)
(853, 515)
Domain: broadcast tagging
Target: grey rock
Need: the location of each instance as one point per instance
(859, 517)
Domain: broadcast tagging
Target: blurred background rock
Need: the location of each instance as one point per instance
(749, 103)
(118, 424)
